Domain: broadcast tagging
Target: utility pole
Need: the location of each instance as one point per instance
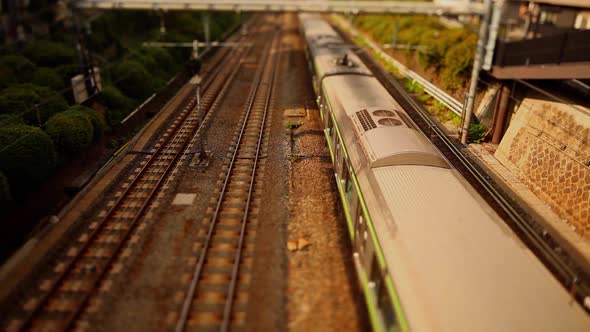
(206, 29)
(477, 63)
(86, 61)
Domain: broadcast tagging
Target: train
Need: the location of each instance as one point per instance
(429, 252)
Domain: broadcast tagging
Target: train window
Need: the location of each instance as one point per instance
(386, 306)
(338, 156)
(375, 275)
(328, 120)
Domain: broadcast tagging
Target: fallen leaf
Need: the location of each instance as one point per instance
(292, 245)
(302, 244)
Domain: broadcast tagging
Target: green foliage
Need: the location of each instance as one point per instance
(458, 62)
(414, 87)
(19, 66)
(7, 77)
(133, 80)
(117, 104)
(48, 77)
(476, 133)
(50, 54)
(18, 100)
(448, 51)
(22, 98)
(66, 72)
(158, 73)
(11, 119)
(5, 196)
(164, 60)
(98, 123)
(70, 131)
(27, 156)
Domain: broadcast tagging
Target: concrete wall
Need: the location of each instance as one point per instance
(547, 145)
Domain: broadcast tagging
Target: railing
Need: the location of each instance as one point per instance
(355, 7)
(451, 103)
(571, 46)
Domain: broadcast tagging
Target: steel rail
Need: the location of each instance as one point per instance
(71, 318)
(233, 283)
(181, 323)
(210, 73)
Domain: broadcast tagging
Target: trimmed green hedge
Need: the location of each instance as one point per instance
(70, 131)
(133, 80)
(11, 119)
(50, 54)
(49, 78)
(18, 100)
(21, 67)
(27, 156)
(98, 123)
(117, 104)
(22, 98)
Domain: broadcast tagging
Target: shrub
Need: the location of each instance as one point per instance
(98, 124)
(20, 66)
(27, 156)
(66, 72)
(132, 79)
(163, 58)
(49, 78)
(457, 63)
(18, 100)
(476, 133)
(7, 77)
(4, 191)
(117, 104)
(50, 54)
(11, 119)
(70, 131)
(22, 98)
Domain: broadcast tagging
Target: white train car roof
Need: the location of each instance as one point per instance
(457, 266)
(331, 55)
(382, 127)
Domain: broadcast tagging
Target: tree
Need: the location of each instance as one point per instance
(132, 79)
(71, 132)
(27, 156)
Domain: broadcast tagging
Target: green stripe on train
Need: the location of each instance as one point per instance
(350, 223)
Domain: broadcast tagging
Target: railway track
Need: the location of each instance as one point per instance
(62, 296)
(216, 295)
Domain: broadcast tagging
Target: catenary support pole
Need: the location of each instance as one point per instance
(502, 113)
(477, 62)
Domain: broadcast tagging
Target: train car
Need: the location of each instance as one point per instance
(430, 254)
